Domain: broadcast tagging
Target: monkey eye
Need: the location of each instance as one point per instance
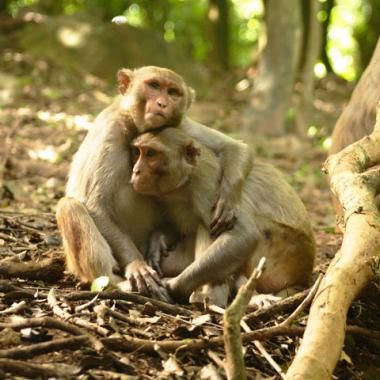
(174, 92)
(135, 153)
(150, 152)
(154, 84)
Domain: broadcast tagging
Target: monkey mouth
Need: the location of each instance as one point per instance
(157, 114)
(156, 119)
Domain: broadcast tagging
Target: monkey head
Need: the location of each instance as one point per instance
(163, 161)
(155, 97)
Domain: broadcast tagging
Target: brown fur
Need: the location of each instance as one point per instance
(104, 223)
(271, 219)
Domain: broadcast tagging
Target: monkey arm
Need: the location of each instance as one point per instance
(123, 248)
(139, 276)
(229, 252)
(237, 162)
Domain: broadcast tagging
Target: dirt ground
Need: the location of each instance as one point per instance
(60, 331)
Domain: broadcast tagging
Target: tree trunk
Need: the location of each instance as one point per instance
(218, 22)
(310, 53)
(358, 118)
(327, 7)
(271, 95)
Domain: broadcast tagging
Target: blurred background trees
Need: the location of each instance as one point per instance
(268, 51)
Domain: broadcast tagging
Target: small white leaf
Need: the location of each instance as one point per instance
(100, 283)
(119, 20)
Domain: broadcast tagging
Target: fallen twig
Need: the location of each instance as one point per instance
(49, 269)
(232, 338)
(35, 371)
(128, 343)
(279, 307)
(14, 308)
(309, 298)
(64, 314)
(131, 297)
(48, 322)
(44, 348)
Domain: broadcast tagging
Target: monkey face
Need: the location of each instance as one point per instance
(163, 162)
(165, 103)
(148, 166)
(155, 97)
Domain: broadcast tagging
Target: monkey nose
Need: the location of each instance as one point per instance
(161, 104)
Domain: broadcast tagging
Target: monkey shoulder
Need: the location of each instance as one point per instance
(102, 162)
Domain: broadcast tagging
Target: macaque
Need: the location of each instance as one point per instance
(358, 117)
(105, 224)
(271, 219)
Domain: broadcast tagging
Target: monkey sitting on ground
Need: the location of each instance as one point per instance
(271, 219)
(104, 224)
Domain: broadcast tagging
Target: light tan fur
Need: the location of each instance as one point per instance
(271, 221)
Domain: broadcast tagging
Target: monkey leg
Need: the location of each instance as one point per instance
(214, 294)
(289, 259)
(215, 261)
(179, 258)
(87, 253)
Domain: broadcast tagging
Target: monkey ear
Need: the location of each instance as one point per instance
(191, 153)
(190, 96)
(124, 77)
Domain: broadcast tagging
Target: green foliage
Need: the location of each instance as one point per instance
(352, 33)
(15, 5)
(342, 46)
(246, 27)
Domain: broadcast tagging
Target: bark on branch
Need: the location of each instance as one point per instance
(355, 180)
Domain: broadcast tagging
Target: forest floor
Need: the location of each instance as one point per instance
(61, 331)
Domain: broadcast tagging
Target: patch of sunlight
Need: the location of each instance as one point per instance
(342, 47)
(342, 35)
(327, 143)
(8, 85)
(49, 153)
(247, 9)
(312, 131)
(77, 122)
(343, 64)
(135, 15)
(242, 85)
(320, 70)
(5, 96)
(24, 111)
(169, 33)
(50, 117)
(73, 37)
(82, 122)
(213, 13)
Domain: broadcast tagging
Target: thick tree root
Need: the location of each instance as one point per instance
(355, 181)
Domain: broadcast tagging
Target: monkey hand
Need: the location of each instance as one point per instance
(141, 278)
(158, 248)
(176, 291)
(224, 216)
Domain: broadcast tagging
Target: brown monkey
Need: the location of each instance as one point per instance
(271, 219)
(358, 118)
(103, 222)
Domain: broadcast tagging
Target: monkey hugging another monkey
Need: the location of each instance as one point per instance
(195, 185)
(271, 219)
